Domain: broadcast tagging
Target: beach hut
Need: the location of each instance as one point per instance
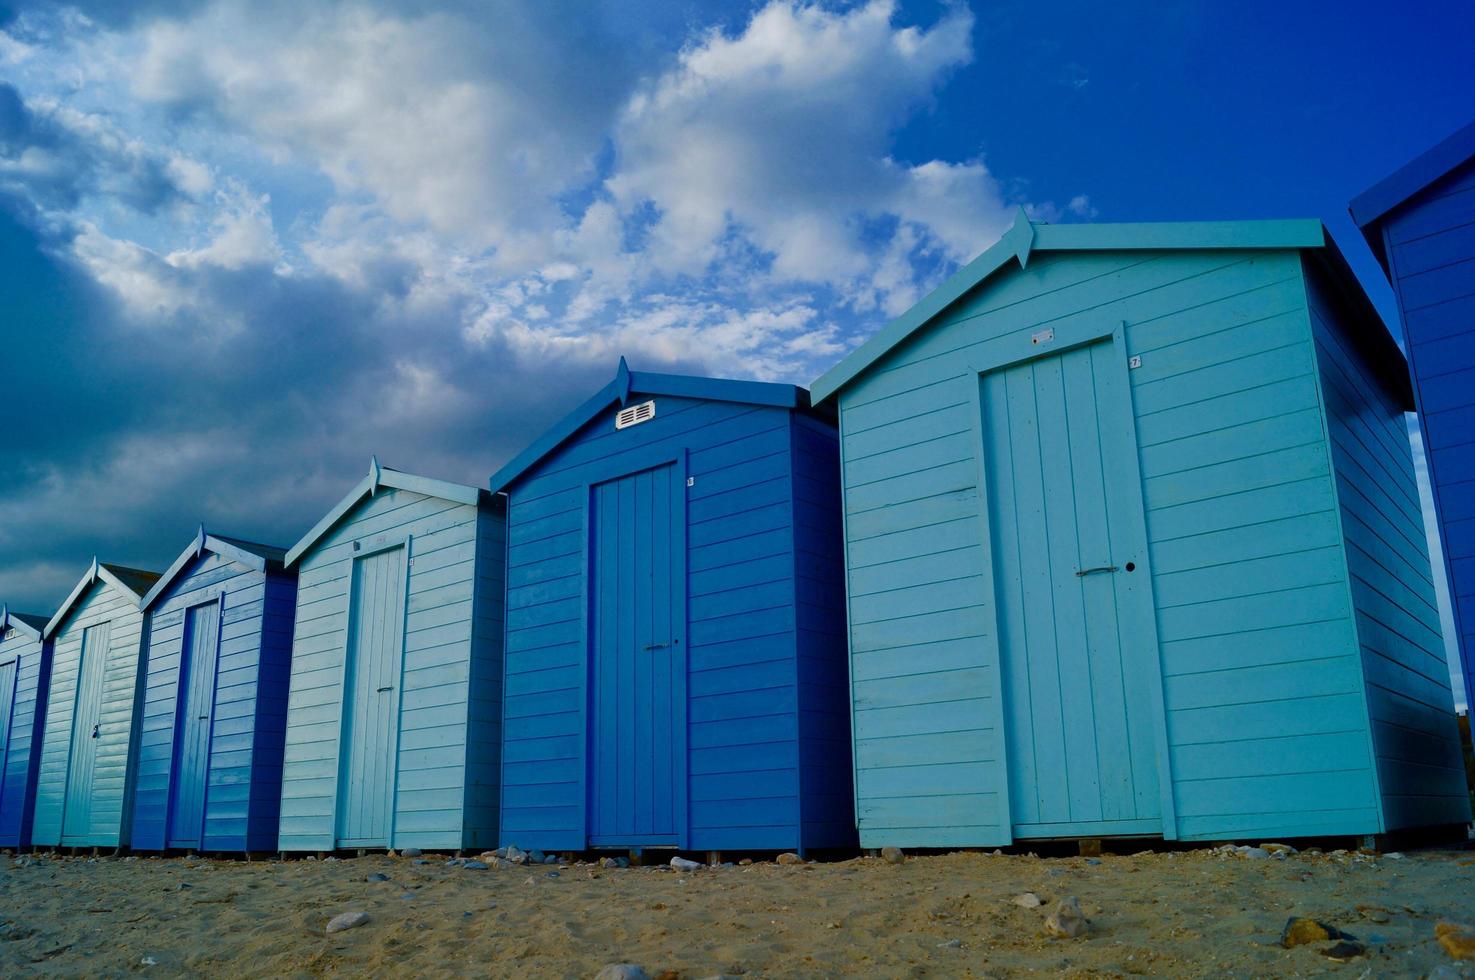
(25, 673)
(1420, 223)
(84, 792)
(675, 623)
(215, 699)
(1134, 548)
(395, 704)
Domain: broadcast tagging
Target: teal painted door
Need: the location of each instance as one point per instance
(1067, 532)
(638, 715)
(196, 710)
(7, 708)
(86, 714)
(376, 626)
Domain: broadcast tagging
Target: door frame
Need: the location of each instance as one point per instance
(179, 695)
(1140, 621)
(626, 465)
(368, 548)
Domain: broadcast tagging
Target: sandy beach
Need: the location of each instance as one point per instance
(1185, 913)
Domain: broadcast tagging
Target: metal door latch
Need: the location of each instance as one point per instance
(656, 646)
(95, 730)
(1093, 571)
(389, 688)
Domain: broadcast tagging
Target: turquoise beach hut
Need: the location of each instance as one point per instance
(25, 676)
(1134, 548)
(393, 720)
(675, 624)
(84, 793)
(215, 699)
(1420, 223)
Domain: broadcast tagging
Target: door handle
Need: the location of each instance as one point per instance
(95, 730)
(656, 646)
(204, 717)
(1097, 570)
(386, 688)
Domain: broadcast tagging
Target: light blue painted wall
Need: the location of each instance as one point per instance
(438, 742)
(116, 744)
(1420, 765)
(20, 764)
(1266, 725)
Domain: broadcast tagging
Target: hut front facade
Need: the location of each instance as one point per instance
(393, 717)
(675, 671)
(1134, 548)
(215, 699)
(25, 677)
(1420, 223)
(84, 792)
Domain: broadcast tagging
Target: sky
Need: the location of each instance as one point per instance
(245, 245)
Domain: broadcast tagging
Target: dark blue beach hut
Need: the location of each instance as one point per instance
(675, 623)
(25, 675)
(215, 699)
(1134, 548)
(1420, 223)
(393, 716)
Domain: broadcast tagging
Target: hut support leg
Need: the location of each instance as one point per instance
(637, 857)
(714, 858)
(1090, 846)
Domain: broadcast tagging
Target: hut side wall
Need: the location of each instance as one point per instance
(429, 805)
(1420, 766)
(274, 678)
(484, 761)
(27, 719)
(1242, 529)
(1430, 243)
(117, 746)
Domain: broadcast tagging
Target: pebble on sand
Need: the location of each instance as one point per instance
(347, 920)
(893, 855)
(685, 864)
(1027, 900)
(1299, 931)
(789, 857)
(1457, 940)
(1067, 921)
(411, 852)
(475, 865)
(622, 971)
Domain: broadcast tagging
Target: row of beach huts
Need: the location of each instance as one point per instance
(1116, 533)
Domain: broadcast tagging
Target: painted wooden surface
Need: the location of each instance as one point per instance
(85, 788)
(1265, 724)
(25, 676)
(1429, 242)
(1421, 769)
(437, 741)
(209, 768)
(761, 660)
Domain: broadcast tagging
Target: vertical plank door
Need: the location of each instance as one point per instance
(1067, 532)
(196, 706)
(7, 709)
(636, 654)
(86, 730)
(375, 642)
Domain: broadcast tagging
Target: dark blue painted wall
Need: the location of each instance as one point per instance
(768, 744)
(22, 757)
(243, 790)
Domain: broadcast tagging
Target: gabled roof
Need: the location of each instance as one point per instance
(1370, 207)
(627, 384)
(381, 476)
(32, 626)
(256, 556)
(132, 582)
(1025, 238)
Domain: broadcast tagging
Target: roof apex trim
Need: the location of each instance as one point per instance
(381, 476)
(625, 386)
(1286, 234)
(1369, 208)
(95, 572)
(32, 626)
(201, 543)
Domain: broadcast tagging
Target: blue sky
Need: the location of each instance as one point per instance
(243, 246)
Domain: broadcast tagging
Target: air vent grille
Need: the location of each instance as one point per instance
(635, 414)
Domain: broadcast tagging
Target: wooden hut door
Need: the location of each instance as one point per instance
(86, 731)
(376, 626)
(198, 660)
(638, 715)
(1067, 532)
(7, 706)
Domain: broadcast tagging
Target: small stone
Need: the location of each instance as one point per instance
(1027, 900)
(683, 864)
(455, 862)
(1278, 848)
(377, 876)
(1457, 940)
(1344, 951)
(421, 861)
(1372, 913)
(745, 862)
(608, 863)
(148, 961)
(951, 944)
(1255, 853)
(475, 866)
(330, 858)
(184, 886)
(348, 920)
(1093, 861)
(516, 855)
(622, 971)
(536, 856)
(1067, 921)
(551, 874)
(411, 852)
(1394, 856)
(893, 855)
(789, 857)
(1299, 931)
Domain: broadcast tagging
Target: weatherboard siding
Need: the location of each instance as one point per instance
(1420, 766)
(1240, 516)
(430, 790)
(1430, 244)
(121, 678)
(32, 678)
